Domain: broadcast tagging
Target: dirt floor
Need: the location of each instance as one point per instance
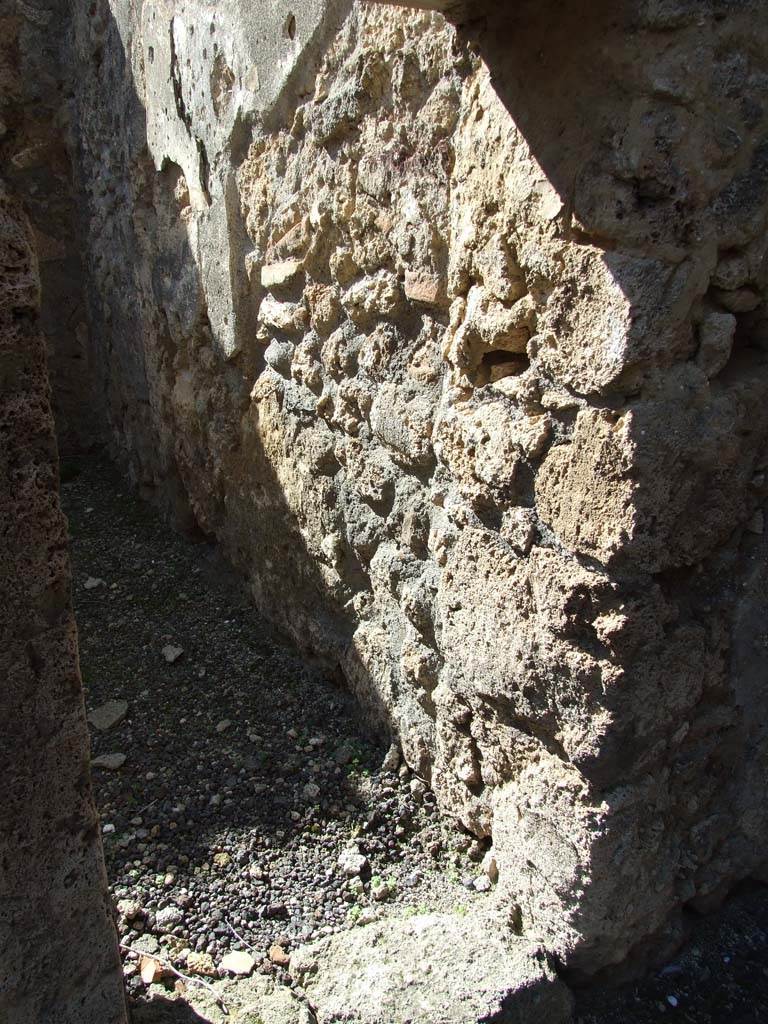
(248, 807)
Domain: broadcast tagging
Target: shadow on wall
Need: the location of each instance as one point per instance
(143, 237)
(636, 115)
(649, 122)
(36, 162)
(58, 949)
(153, 378)
(627, 116)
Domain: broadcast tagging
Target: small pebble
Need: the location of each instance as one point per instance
(352, 862)
(171, 653)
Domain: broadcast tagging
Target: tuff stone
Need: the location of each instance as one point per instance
(275, 274)
(423, 288)
(426, 968)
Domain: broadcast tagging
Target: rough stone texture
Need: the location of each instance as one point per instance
(253, 1000)
(456, 341)
(35, 157)
(456, 10)
(430, 968)
(58, 944)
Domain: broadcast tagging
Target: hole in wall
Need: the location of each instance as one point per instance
(289, 28)
(175, 183)
(751, 334)
(497, 364)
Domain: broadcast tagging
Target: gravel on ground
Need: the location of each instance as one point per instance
(244, 804)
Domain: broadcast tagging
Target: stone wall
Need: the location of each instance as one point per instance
(35, 157)
(456, 342)
(58, 944)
